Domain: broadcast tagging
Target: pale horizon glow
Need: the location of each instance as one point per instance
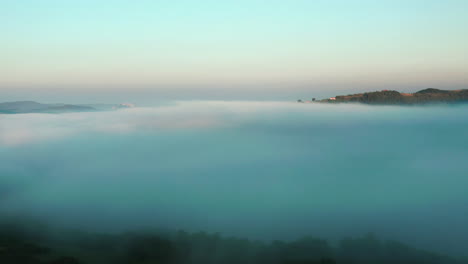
(240, 47)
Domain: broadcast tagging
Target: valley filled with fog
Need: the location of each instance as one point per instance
(261, 170)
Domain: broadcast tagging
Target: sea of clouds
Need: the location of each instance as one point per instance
(258, 169)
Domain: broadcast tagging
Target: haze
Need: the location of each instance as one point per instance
(230, 133)
(264, 170)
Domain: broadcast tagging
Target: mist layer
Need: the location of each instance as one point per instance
(265, 170)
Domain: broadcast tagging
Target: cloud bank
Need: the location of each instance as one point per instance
(21, 129)
(257, 169)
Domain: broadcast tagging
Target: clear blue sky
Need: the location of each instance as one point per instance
(239, 46)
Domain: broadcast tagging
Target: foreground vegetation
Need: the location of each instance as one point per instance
(34, 245)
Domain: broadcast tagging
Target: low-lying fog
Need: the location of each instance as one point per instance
(266, 170)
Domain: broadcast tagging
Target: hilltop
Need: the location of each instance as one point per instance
(22, 107)
(390, 97)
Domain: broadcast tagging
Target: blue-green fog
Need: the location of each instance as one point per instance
(266, 170)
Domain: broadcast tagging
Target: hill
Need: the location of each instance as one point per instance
(388, 97)
(23, 107)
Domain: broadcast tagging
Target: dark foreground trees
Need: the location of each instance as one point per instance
(201, 248)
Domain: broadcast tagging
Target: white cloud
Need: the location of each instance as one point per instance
(18, 129)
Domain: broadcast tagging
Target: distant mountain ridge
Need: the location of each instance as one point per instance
(390, 97)
(23, 107)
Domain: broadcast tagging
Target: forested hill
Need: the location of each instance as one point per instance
(388, 97)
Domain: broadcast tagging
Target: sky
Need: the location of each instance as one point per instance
(244, 49)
